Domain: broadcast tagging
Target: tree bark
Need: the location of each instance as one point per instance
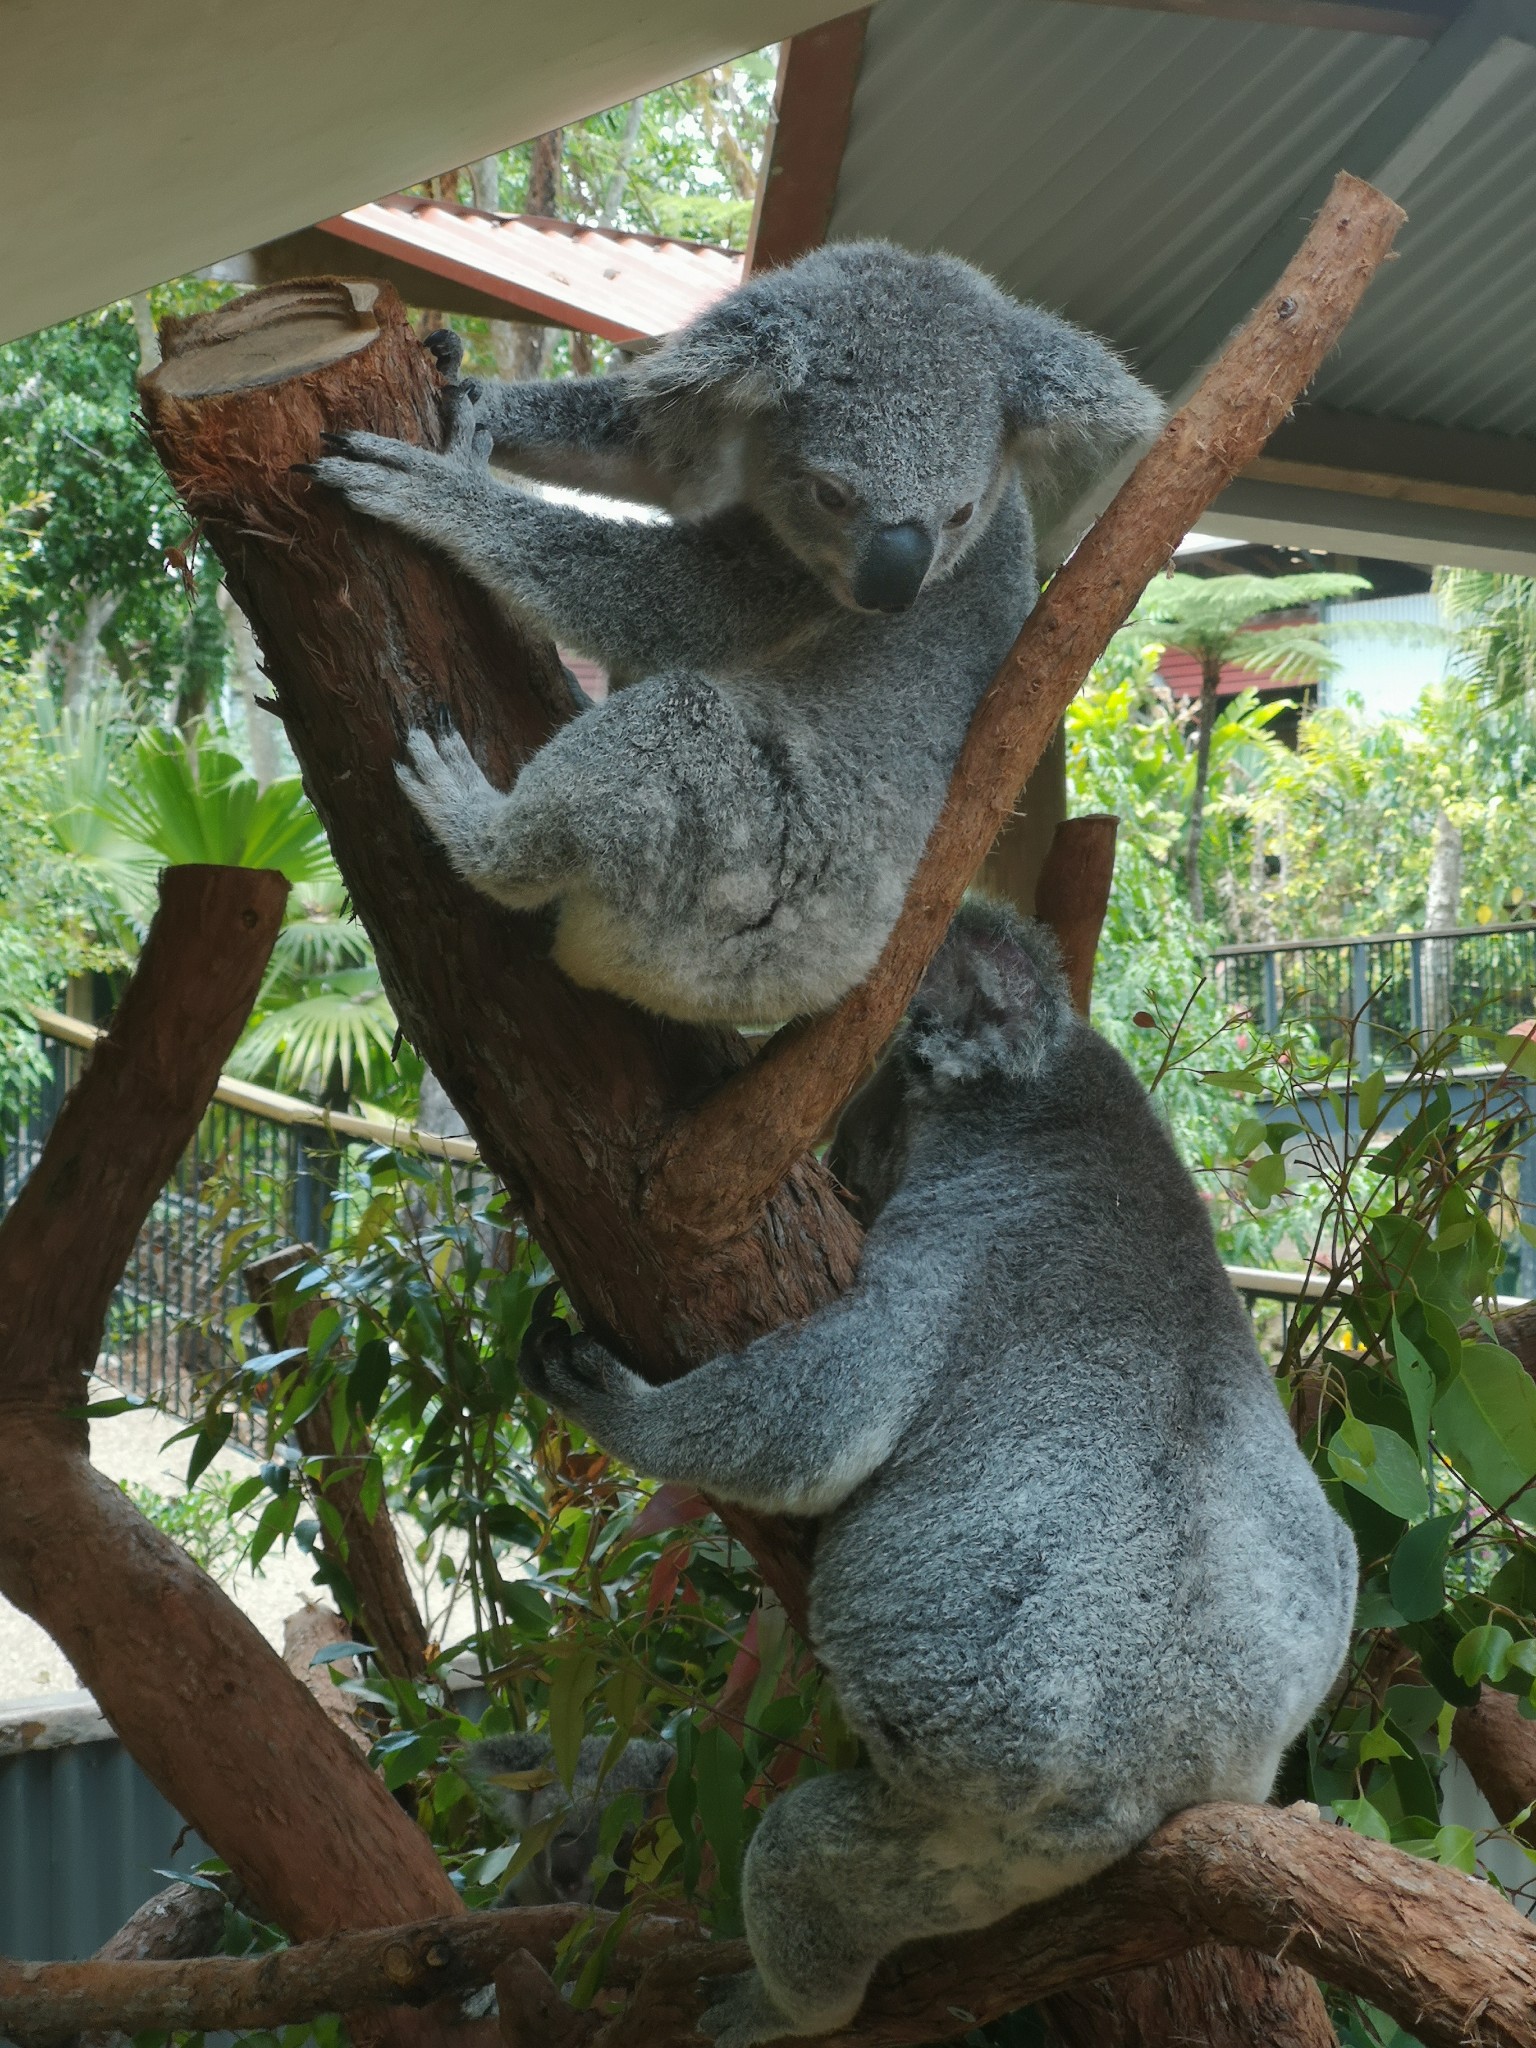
(1499, 1748)
(722, 1161)
(1441, 1952)
(568, 1093)
(1072, 896)
(199, 1699)
(1216, 1997)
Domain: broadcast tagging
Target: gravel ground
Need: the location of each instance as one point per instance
(131, 1447)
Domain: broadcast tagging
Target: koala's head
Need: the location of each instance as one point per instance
(871, 404)
(515, 1780)
(990, 1019)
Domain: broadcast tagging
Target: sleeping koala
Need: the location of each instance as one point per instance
(854, 453)
(1074, 1573)
(514, 1778)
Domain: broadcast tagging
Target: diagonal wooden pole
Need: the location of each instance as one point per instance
(723, 1161)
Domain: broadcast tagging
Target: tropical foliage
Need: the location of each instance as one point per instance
(1211, 618)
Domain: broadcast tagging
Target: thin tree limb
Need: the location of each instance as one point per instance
(726, 1158)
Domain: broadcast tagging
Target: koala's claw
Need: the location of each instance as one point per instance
(548, 1355)
(453, 796)
(447, 350)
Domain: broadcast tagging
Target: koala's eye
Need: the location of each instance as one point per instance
(960, 516)
(834, 496)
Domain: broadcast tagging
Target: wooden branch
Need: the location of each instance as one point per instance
(305, 1632)
(1498, 1747)
(723, 1161)
(1218, 1996)
(371, 1556)
(68, 1235)
(413, 1964)
(1441, 1952)
(1072, 896)
(568, 1093)
(201, 1702)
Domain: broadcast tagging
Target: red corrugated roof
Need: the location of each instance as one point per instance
(1181, 672)
(599, 281)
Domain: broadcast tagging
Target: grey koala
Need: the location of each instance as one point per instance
(854, 452)
(514, 1778)
(1073, 1573)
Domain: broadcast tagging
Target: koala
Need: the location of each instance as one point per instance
(851, 456)
(514, 1778)
(1072, 1572)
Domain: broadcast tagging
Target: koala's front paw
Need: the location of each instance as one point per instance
(460, 806)
(446, 350)
(390, 480)
(741, 2012)
(573, 1373)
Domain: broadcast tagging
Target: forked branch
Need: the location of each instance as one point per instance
(726, 1158)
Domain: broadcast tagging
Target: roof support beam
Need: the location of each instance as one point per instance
(1347, 17)
(1447, 89)
(803, 155)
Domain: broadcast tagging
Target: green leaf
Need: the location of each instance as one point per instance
(246, 1492)
(1456, 1848)
(211, 1439)
(1249, 1133)
(569, 1689)
(1266, 1179)
(1417, 1380)
(1378, 1463)
(1377, 1745)
(1417, 1574)
(1485, 1423)
(1360, 1815)
(1368, 1097)
(722, 1812)
(369, 1377)
(1483, 1653)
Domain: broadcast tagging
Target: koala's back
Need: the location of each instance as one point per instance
(1097, 1559)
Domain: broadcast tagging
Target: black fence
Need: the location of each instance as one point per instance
(248, 1181)
(1395, 989)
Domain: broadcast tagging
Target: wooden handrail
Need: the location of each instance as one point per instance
(292, 1110)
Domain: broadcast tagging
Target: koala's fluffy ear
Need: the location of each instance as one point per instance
(1073, 408)
(994, 999)
(750, 351)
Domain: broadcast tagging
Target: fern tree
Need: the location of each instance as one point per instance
(1212, 618)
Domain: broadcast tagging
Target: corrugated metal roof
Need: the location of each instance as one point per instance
(1118, 162)
(1107, 161)
(1444, 334)
(624, 287)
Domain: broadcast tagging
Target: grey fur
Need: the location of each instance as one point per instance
(562, 1869)
(1074, 1573)
(731, 835)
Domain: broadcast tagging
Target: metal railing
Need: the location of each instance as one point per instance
(1403, 987)
(263, 1166)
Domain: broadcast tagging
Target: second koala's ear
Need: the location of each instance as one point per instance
(1072, 408)
(994, 999)
(750, 351)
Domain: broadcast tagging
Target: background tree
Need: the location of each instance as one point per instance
(1496, 615)
(1211, 617)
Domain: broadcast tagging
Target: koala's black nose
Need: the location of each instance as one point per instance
(894, 565)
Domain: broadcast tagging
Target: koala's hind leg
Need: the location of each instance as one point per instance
(845, 1869)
